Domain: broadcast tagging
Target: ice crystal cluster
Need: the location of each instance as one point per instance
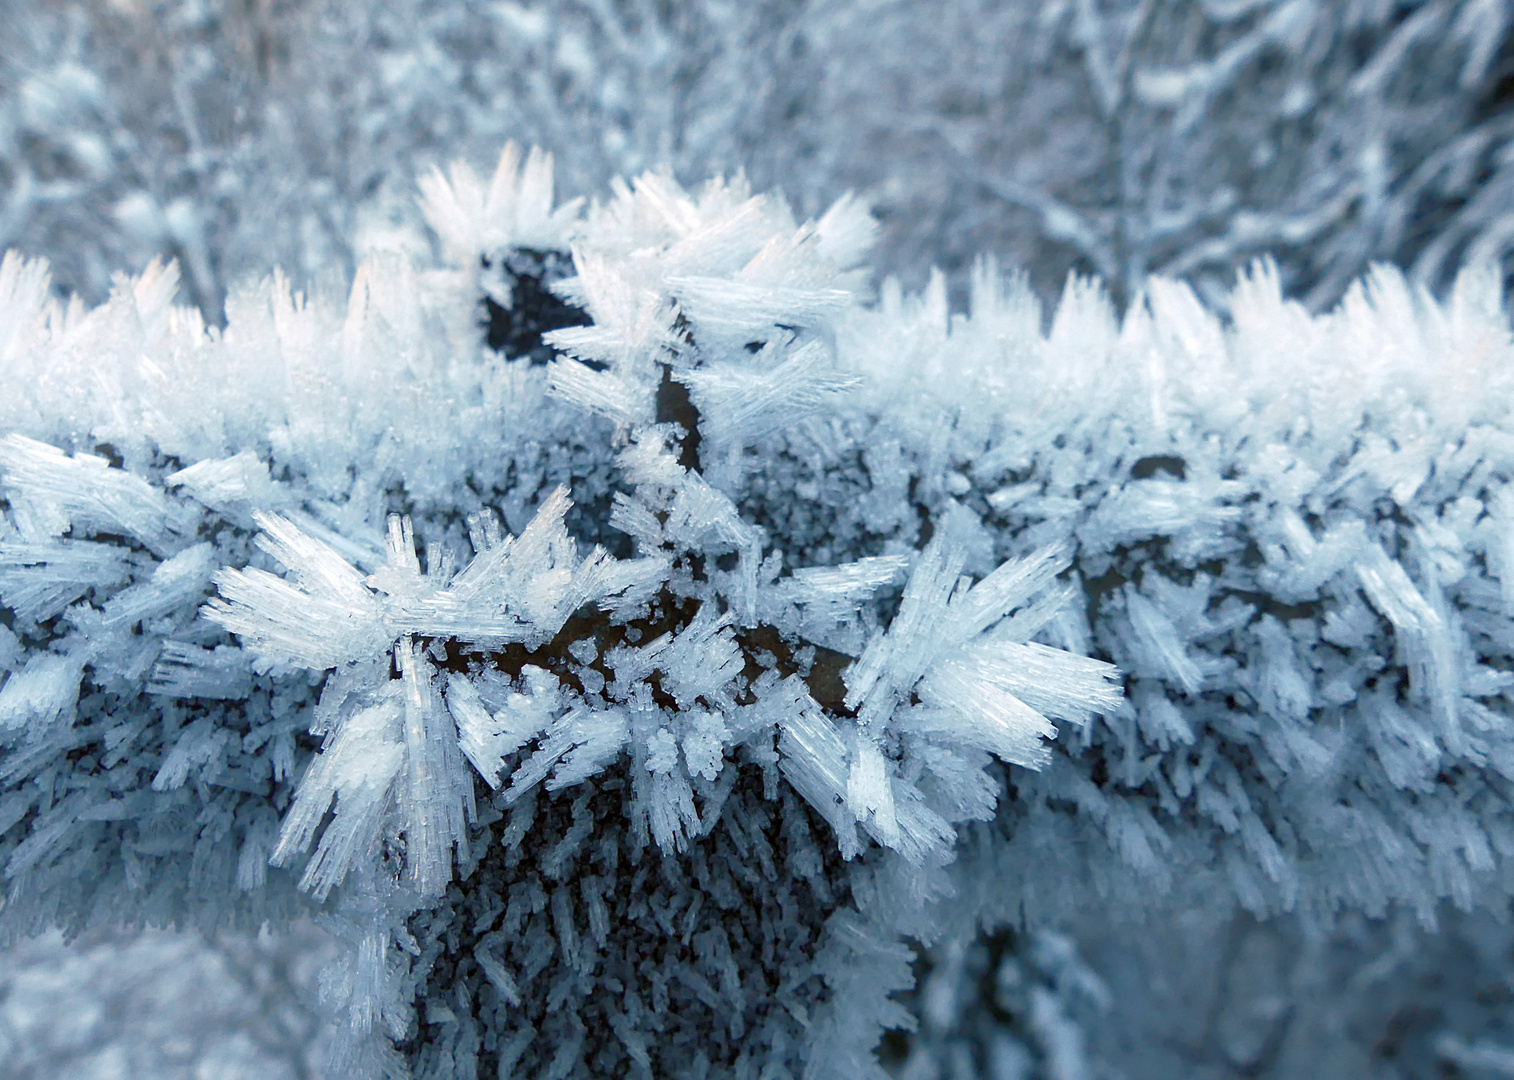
(627, 629)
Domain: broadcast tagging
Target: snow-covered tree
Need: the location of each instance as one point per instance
(1183, 137)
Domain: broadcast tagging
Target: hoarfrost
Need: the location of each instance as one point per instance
(789, 570)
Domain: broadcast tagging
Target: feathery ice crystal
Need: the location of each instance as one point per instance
(750, 603)
(694, 328)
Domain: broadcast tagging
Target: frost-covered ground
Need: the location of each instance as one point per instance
(1111, 137)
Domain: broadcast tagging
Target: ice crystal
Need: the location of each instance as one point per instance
(629, 689)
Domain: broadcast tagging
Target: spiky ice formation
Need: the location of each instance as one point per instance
(745, 548)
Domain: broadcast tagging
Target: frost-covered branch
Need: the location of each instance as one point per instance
(624, 613)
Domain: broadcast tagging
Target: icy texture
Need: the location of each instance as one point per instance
(672, 683)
